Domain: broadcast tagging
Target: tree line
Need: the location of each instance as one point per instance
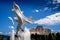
(51, 36)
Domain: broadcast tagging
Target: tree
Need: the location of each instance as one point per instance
(53, 36)
(58, 36)
(1, 38)
(50, 37)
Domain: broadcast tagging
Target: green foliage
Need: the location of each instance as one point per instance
(51, 36)
(1, 38)
(4, 37)
(58, 36)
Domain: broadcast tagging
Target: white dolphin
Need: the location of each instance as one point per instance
(20, 18)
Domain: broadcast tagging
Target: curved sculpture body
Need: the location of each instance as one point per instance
(20, 18)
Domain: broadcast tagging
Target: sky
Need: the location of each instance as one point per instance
(43, 12)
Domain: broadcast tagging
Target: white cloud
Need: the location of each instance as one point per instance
(58, 1)
(54, 2)
(36, 10)
(55, 7)
(49, 20)
(46, 8)
(1, 33)
(11, 27)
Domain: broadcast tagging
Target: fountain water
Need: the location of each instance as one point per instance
(12, 35)
(22, 35)
(26, 34)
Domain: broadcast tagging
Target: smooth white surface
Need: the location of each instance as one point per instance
(12, 35)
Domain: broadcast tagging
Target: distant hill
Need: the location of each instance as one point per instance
(40, 30)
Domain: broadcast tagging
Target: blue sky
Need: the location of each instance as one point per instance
(38, 9)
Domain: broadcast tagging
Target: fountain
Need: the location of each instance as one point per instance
(20, 19)
(12, 37)
(22, 35)
(26, 34)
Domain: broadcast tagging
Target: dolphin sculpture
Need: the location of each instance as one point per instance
(20, 18)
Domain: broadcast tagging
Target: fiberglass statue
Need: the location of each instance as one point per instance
(20, 19)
